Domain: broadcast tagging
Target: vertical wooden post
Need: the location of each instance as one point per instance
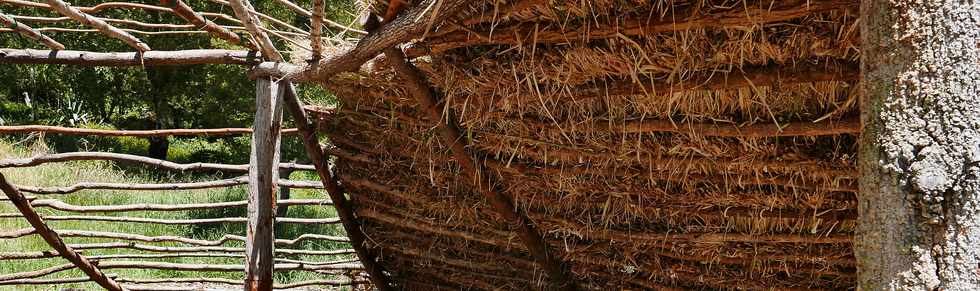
(262, 176)
(54, 240)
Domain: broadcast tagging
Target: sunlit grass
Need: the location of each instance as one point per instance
(64, 174)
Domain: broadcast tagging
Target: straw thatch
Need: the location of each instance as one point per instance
(655, 144)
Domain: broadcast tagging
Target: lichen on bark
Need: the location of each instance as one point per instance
(920, 187)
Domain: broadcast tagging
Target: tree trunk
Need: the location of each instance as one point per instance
(919, 225)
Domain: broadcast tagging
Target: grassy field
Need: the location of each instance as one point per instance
(64, 174)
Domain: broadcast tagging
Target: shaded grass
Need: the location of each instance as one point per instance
(63, 174)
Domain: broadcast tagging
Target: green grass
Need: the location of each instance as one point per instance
(64, 174)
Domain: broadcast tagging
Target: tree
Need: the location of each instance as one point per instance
(919, 225)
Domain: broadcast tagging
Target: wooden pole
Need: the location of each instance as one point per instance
(150, 58)
(344, 210)
(53, 239)
(263, 175)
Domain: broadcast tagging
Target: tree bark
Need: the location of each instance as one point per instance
(919, 225)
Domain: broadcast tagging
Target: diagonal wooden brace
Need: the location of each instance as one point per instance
(54, 240)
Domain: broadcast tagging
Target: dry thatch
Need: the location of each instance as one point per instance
(655, 144)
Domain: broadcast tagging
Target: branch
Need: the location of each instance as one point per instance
(105, 28)
(252, 24)
(137, 133)
(29, 32)
(150, 58)
(187, 13)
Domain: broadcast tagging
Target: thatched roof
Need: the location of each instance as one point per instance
(654, 144)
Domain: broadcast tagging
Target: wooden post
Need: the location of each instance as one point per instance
(262, 175)
(54, 240)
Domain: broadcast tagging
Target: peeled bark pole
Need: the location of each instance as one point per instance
(53, 239)
(919, 214)
(263, 175)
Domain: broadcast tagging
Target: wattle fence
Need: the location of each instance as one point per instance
(143, 253)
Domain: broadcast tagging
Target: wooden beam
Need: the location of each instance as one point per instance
(29, 32)
(263, 175)
(345, 211)
(52, 238)
(187, 13)
(150, 58)
(243, 9)
(102, 26)
(501, 203)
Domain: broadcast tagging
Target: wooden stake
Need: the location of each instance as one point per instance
(263, 175)
(53, 239)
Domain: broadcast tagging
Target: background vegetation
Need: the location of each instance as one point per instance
(203, 96)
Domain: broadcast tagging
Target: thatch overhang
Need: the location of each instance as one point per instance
(654, 144)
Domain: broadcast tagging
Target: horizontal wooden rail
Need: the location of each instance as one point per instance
(59, 205)
(127, 158)
(159, 249)
(150, 58)
(190, 241)
(289, 220)
(239, 283)
(165, 186)
(176, 267)
(181, 280)
(137, 133)
(164, 251)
